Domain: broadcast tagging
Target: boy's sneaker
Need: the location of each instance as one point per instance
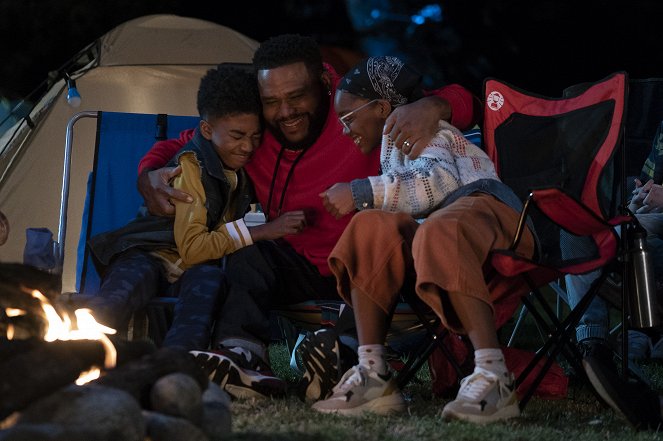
(363, 390)
(240, 373)
(484, 397)
(324, 358)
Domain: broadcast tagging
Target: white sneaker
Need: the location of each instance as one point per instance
(484, 397)
(363, 390)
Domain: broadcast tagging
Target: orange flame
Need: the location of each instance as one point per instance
(60, 328)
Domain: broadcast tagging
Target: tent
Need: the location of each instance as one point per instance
(151, 64)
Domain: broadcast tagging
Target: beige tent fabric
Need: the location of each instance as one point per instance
(152, 64)
(169, 39)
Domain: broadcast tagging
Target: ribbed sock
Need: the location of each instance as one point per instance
(372, 357)
(492, 360)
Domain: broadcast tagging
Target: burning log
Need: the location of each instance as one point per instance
(109, 408)
(37, 372)
(16, 276)
(21, 314)
(30, 369)
(38, 368)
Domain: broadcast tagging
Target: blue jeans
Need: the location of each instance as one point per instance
(595, 321)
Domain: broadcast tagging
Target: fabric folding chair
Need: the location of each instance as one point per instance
(112, 199)
(559, 156)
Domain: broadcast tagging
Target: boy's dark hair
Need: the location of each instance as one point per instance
(287, 49)
(228, 90)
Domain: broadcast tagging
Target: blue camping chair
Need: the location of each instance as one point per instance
(112, 199)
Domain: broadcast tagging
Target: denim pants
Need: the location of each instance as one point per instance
(259, 278)
(135, 277)
(595, 321)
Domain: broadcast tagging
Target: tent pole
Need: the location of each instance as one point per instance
(64, 197)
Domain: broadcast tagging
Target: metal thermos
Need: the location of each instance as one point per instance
(643, 301)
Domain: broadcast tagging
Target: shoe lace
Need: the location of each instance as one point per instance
(355, 376)
(473, 386)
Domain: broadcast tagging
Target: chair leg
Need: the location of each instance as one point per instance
(434, 339)
(561, 335)
(519, 321)
(422, 354)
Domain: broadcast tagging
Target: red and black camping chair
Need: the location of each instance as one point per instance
(559, 156)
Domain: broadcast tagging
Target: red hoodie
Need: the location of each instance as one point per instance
(331, 159)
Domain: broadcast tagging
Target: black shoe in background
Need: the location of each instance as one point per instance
(631, 398)
(598, 348)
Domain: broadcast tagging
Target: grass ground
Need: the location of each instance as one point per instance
(580, 416)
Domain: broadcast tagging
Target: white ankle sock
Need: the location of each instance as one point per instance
(372, 357)
(491, 360)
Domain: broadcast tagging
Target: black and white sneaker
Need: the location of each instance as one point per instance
(240, 373)
(325, 359)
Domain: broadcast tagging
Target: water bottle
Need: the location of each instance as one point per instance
(641, 285)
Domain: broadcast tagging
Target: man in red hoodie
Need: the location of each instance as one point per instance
(302, 154)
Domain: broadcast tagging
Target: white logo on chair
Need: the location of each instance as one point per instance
(495, 100)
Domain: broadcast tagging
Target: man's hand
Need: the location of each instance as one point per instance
(337, 200)
(639, 194)
(653, 202)
(412, 126)
(291, 222)
(154, 186)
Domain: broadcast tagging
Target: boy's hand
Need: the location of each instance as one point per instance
(337, 200)
(154, 186)
(291, 222)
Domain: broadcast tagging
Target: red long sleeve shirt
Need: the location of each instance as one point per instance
(331, 159)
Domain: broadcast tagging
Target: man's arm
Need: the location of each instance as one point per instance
(163, 151)
(154, 179)
(412, 126)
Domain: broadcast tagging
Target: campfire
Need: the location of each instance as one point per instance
(64, 378)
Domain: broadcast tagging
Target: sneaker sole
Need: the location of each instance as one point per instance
(386, 405)
(235, 380)
(505, 413)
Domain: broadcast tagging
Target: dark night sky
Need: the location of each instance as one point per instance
(541, 45)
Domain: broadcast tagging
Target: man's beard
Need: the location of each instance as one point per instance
(316, 123)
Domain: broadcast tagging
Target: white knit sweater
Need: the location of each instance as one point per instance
(419, 186)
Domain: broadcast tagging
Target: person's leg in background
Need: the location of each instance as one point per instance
(593, 330)
(653, 223)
